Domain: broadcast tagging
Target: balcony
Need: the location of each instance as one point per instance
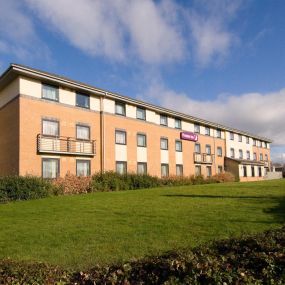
(203, 158)
(65, 145)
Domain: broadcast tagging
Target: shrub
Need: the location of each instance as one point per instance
(72, 184)
(23, 188)
(223, 177)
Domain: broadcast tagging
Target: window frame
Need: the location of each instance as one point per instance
(197, 144)
(166, 119)
(239, 138)
(141, 134)
(83, 95)
(144, 113)
(200, 170)
(58, 167)
(244, 171)
(218, 133)
(232, 136)
(197, 128)
(240, 154)
(179, 127)
(219, 148)
(232, 152)
(120, 131)
(208, 147)
(89, 167)
(261, 156)
(247, 140)
(54, 121)
(207, 168)
(167, 168)
(166, 139)
(52, 86)
(259, 171)
(206, 131)
(84, 126)
(220, 169)
(254, 156)
(252, 171)
(124, 108)
(142, 163)
(181, 168)
(180, 142)
(125, 166)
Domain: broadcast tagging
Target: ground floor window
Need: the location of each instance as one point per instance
(121, 167)
(142, 168)
(244, 171)
(259, 171)
(179, 169)
(83, 167)
(209, 171)
(220, 169)
(197, 170)
(50, 168)
(164, 170)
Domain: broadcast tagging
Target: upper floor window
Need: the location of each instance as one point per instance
(120, 108)
(247, 140)
(232, 136)
(163, 120)
(50, 127)
(232, 153)
(141, 113)
(240, 138)
(82, 132)
(266, 157)
(208, 149)
(82, 100)
(120, 137)
(207, 131)
(196, 128)
(254, 156)
(141, 140)
(219, 151)
(254, 142)
(197, 148)
(248, 154)
(164, 143)
(178, 124)
(49, 92)
(178, 145)
(218, 133)
(266, 145)
(261, 157)
(240, 154)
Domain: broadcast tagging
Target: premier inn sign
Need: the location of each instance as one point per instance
(189, 136)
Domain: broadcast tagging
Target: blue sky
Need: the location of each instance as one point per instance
(219, 60)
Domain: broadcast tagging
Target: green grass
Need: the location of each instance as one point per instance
(80, 231)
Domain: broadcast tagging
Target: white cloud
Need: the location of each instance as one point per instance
(116, 29)
(17, 33)
(261, 114)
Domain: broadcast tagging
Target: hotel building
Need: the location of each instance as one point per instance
(51, 125)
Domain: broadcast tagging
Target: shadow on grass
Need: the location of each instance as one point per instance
(278, 211)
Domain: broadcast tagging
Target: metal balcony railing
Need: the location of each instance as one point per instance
(203, 158)
(65, 145)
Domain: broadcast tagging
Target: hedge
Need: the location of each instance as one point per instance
(256, 259)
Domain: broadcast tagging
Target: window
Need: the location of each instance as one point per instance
(252, 171)
(177, 124)
(50, 168)
(266, 145)
(208, 149)
(240, 154)
(50, 128)
(82, 100)
(197, 148)
(244, 171)
(50, 92)
(196, 128)
(240, 138)
(142, 168)
(247, 140)
(232, 153)
(232, 136)
(207, 131)
(164, 143)
(219, 151)
(259, 171)
(248, 154)
(120, 137)
(164, 170)
(260, 156)
(82, 132)
(121, 167)
(178, 146)
(179, 169)
(83, 167)
(163, 120)
(254, 156)
(209, 171)
(141, 113)
(141, 140)
(254, 142)
(220, 169)
(218, 133)
(266, 157)
(197, 170)
(120, 108)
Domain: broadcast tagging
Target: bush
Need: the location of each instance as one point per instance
(258, 259)
(72, 184)
(23, 188)
(223, 177)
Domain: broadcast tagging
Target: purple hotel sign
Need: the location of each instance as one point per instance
(189, 136)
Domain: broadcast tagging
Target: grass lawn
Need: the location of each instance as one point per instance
(80, 231)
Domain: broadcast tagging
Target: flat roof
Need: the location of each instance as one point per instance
(17, 69)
